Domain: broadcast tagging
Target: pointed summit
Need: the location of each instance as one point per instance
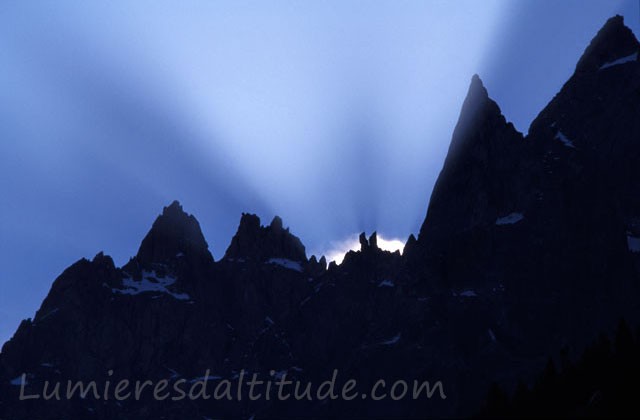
(364, 243)
(368, 244)
(484, 147)
(478, 116)
(477, 87)
(175, 209)
(373, 240)
(480, 127)
(257, 242)
(480, 120)
(614, 42)
(600, 95)
(409, 245)
(174, 234)
(276, 224)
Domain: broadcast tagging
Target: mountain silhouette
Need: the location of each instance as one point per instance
(530, 244)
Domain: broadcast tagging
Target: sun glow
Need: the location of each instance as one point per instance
(339, 249)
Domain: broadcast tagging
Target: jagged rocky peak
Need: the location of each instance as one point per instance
(479, 117)
(256, 242)
(368, 244)
(613, 43)
(373, 240)
(276, 224)
(174, 234)
(409, 245)
(103, 260)
(410, 241)
(477, 87)
(485, 150)
(323, 262)
(595, 110)
(364, 243)
(316, 267)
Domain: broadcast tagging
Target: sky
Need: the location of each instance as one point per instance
(335, 115)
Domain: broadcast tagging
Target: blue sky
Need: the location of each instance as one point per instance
(335, 115)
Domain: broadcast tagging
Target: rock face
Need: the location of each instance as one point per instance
(483, 179)
(475, 186)
(253, 241)
(530, 244)
(174, 234)
(614, 44)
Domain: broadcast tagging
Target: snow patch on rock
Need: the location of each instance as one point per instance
(509, 219)
(288, 264)
(622, 60)
(386, 283)
(150, 283)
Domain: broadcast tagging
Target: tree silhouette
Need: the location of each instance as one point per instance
(602, 382)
